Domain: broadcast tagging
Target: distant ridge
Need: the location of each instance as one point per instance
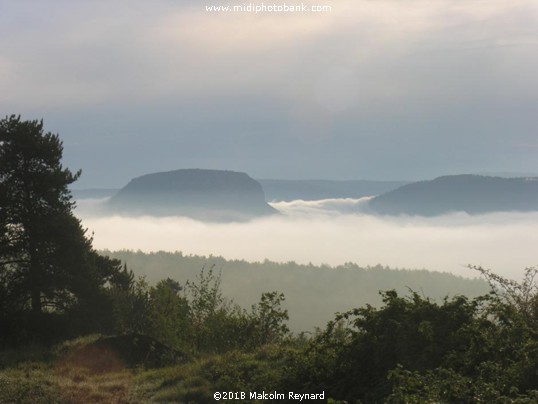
(473, 194)
(198, 193)
(311, 190)
(508, 174)
(93, 193)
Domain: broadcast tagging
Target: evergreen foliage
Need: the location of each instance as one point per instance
(48, 268)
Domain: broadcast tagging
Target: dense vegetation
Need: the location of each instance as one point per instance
(49, 272)
(410, 349)
(341, 287)
(77, 327)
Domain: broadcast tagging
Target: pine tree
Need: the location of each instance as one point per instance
(47, 262)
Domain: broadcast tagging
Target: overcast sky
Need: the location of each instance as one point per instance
(372, 90)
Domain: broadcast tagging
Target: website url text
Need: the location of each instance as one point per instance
(269, 8)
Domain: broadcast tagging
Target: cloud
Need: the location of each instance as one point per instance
(86, 54)
(432, 86)
(324, 207)
(326, 232)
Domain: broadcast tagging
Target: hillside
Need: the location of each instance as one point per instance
(313, 293)
(202, 194)
(473, 194)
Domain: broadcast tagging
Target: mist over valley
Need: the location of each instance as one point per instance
(339, 249)
(331, 231)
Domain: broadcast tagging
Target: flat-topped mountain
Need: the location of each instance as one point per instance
(311, 190)
(202, 194)
(473, 194)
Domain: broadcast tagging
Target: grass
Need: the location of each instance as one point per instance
(73, 372)
(48, 382)
(66, 373)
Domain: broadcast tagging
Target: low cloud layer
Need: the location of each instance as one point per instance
(327, 232)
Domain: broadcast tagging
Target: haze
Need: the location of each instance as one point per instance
(326, 232)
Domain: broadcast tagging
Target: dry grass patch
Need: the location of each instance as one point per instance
(80, 386)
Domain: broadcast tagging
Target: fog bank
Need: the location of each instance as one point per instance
(334, 232)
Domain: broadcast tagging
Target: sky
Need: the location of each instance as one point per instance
(386, 89)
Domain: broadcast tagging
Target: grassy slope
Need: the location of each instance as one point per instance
(38, 375)
(59, 375)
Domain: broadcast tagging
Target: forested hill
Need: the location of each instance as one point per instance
(473, 194)
(342, 287)
(203, 194)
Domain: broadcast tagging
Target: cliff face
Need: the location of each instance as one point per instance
(202, 194)
(473, 194)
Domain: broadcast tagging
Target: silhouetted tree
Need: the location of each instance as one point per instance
(47, 263)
